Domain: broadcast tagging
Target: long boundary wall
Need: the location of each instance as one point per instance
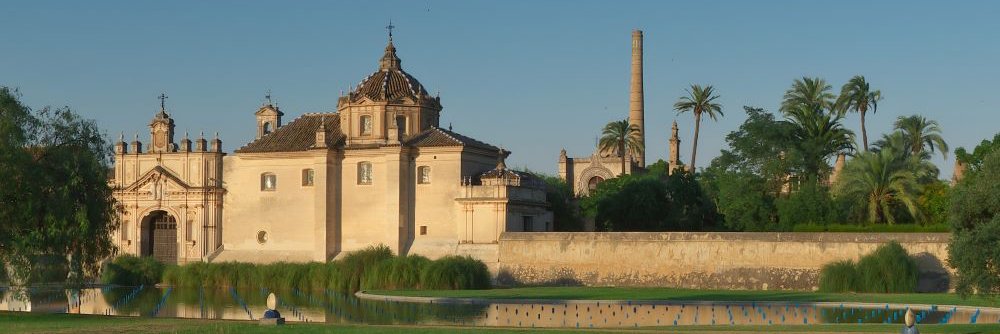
(767, 261)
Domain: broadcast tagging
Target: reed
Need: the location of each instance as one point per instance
(455, 273)
(132, 270)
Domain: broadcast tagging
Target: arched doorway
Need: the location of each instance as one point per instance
(159, 237)
(593, 182)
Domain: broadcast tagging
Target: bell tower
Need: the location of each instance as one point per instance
(161, 130)
(268, 117)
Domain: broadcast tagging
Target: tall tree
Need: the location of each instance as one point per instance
(700, 100)
(814, 138)
(974, 212)
(881, 180)
(921, 133)
(55, 201)
(623, 138)
(810, 93)
(857, 96)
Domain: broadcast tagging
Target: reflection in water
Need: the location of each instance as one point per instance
(333, 307)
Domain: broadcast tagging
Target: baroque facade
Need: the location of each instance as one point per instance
(379, 170)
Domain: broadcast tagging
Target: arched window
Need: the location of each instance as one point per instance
(267, 127)
(366, 125)
(424, 175)
(268, 182)
(307, 177)
(364, 172)
(593, 182)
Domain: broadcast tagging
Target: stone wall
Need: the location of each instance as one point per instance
(767, 261)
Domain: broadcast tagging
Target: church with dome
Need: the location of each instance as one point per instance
(378, 171)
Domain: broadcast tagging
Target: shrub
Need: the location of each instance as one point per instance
(839, 276)
(889, 269)
(874, 228)
(131, 270)
(455, 272)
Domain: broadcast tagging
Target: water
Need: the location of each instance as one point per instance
(332, 307)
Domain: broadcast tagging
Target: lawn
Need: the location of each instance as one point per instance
(612, 293)
(18, 322)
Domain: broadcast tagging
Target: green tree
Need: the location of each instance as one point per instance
(812, 94)
(814, 138)
(628, 203)
(974, 250)
(55, 199)
(753, 147)
(809, 204)
(623, 138)
(975, 159)
(559, 194)
(878, 181)
(746, 202)
(921, 133)
(857, 96)
(700, 100)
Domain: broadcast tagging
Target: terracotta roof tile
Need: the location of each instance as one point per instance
(436, 136)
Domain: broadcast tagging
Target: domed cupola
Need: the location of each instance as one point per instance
(389, 100)
(390, 83)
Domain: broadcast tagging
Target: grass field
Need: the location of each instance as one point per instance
(610, 293)
(17, 322)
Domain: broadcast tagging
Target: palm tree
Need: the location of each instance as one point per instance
(699, 100)
(811, 93)
(815, 137)
(881, 180)
(623, 138)
(857, 96)
(920, 132)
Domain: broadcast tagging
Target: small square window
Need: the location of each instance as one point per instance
(308, 175)
(268, 182)
(423, 230)
(527, 223)
(424, 175)
(364, 172)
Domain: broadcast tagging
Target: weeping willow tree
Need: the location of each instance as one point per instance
(56, 207)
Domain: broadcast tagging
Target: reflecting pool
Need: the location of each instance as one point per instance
(333, 307)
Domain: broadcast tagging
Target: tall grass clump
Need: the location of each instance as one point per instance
(889, 269)
(354, 264)
(839, 276)
(132, 270)
(397, 273)
(455, 272)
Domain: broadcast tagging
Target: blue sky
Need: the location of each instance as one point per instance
(532, 76)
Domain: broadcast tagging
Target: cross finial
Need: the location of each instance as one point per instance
(163, 101)
(267, 96)
(389, 28)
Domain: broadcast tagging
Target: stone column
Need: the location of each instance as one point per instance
(635, 101)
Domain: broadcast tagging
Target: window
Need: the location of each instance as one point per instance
(261, 237)
(188, 230)
(423, 230)
(527, 223)
(124, 230)
(401, 124)
(366, 125)
(268, 182)
(267, 127)
(307, 177)
(364, 172)
(424, 175)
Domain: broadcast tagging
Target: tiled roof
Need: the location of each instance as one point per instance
(299, 135)
(436, 136)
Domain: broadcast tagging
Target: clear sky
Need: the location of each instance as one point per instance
(532, 76)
